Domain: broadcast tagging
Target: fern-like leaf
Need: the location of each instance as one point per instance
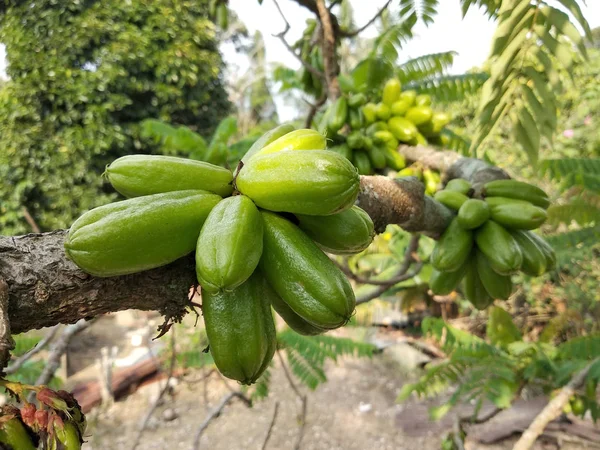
(388, 43)
(582, 347)
(309, 373)
(557, 169)
(424, 10)
(577, 211)
(425, 66)
(261, 387)
(450, 88)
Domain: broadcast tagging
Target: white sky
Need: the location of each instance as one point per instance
(470, 37)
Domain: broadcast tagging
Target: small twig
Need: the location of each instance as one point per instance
(58, 348)
(162, 393)
(552, 410)
(271, 425)
(281, 36)
(381, 289)
(303, 399)
(30, 220)
(314, 107)
(368, 24)
(18, 363)
(216, 412)
(333, 3)
(7, 343)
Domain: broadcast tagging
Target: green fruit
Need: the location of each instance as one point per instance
(303, 139)
(383, 136)
(68, 435)
(436, 125)
(400, 107)
(497, 201)
(432, 181)
(267, 138)
(518, 216)
(534, 258)
(14, 434)
(356, 119)
(443, 283)
(393, 159)
(518, 190)
(546, 249)
(240, 329)
(498, 286)
(345, 233)
(383, 111)
(293, 320)
(356, 140)
(230, 244)
(451, 199)
(419, 115)
(419, 139)
(370, 112)
(319, 182)
(411, 172)
(409, 96)
(578, 406)
(357, 100)
(139, 233)
(362, 162)
(303, 276)
(338, 116)
(377, 156)
(473, 213)
(391, 91)
(393, 144)
(377, 126)
(368, 143)
(137, 175)
(452, 249)
(403, 129)
(473, 287)
(458, 185)
(423, 100)
(500, 247)
(343, 150)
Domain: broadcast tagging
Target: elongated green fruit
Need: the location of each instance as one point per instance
(356, 119)
(13, 433)
(423, 100)
(517, 216)
(377, 156)
(139, 233)
(240, 329)
(419, 115)
(443, 283)
(303, 276)
(342, 150)
(362, 162)
(357, 100)
(404, 130)
(348, 232)
(534, 258)
(377, 126)
(391, 91)
(458, 185)
(495, 242)
(518, 190)
(473, 213)
(451, 199)
(304, 139)
(410, 96)
(137, 175)
(546, 249)
(393, 159)
(498, 201)
(293, 320)
(400, 107)
(316, 183)
(230, 244)
(498, 286)
(267, 138)
(453, 248)
(68, 435)
(473, 287)
(338, 115)
(383, 111)
(370, 112)
(383, 136)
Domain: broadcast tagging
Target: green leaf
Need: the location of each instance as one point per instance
(501, 329)
(573, 7)
(577, 211)
(426, 66)
(371, 73)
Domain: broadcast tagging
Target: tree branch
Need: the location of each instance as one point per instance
(313, 110)
(329, 59)
(46, 289)
(7, 343)
(368, 24)
(289, 48)
(552, 410)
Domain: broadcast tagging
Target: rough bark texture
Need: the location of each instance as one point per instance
(329, 43)
(45, 288)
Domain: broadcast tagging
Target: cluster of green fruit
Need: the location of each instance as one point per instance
(58, 423)
(432, 179)
(368, 132)
(259, 238)
(490, 239)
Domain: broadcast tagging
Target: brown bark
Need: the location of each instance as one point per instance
(329, 44)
